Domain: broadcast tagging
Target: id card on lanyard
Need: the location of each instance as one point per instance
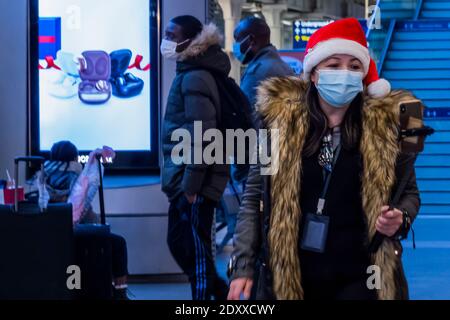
(315, 229)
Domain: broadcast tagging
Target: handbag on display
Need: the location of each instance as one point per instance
(95, 71)
(124, 84)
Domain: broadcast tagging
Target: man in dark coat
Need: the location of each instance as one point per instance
(193, 187)
(253, 48)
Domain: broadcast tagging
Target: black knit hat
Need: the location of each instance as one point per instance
(64, 151)
(192, 27)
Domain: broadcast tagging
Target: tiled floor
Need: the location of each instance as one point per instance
(427, 268)
(174, 291)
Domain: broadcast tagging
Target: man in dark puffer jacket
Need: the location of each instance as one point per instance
(194, 189)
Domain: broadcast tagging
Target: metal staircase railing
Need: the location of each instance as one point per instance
(387, 45)
(418, 9)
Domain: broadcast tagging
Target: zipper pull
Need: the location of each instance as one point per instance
(320, 206)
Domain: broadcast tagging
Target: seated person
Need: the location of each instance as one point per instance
(67, 181)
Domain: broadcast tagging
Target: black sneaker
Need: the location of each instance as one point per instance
(120, 294)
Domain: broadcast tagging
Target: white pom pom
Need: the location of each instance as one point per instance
(379, 89)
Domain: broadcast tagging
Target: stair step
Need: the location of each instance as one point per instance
(420, 45)
(432, 14)
(429, 94)
(434, 185)
(428, 5)
(417, 74)
(430, 209)
(434, 173)
(436, 103)
(397, 14)
(438, 125)
(419, 35)
(441, 136)
(418, 64)
(433, 161)
(418, 54)
(409, 84)
(442, 198)
(437, 149)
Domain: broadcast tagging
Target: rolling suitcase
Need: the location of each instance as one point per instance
(36, 247)
(93, 255)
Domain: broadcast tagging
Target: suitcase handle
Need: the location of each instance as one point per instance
(100, 192)
(39, 160)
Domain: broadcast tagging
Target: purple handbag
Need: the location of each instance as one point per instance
(95, 71)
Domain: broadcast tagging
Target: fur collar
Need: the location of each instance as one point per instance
(281, 104)
(209, 36)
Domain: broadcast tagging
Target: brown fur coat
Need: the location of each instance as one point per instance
(282, 105)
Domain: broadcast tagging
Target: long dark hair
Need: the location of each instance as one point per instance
(351, 127)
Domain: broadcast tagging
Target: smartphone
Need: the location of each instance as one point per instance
(411, 117)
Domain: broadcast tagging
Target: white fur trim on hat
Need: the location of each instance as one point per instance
(379, 89)
(327, 48)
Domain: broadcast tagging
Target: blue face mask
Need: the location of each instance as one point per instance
(237, 50)
(339, 87)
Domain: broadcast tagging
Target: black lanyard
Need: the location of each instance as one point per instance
(321, 203)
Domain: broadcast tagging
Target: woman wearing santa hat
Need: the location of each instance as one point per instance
(305, 232)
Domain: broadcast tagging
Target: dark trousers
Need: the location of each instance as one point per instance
(88, 233)
(192, 246)
(119, 255)
(338, 289)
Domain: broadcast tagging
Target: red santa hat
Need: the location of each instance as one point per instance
(345, 36)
